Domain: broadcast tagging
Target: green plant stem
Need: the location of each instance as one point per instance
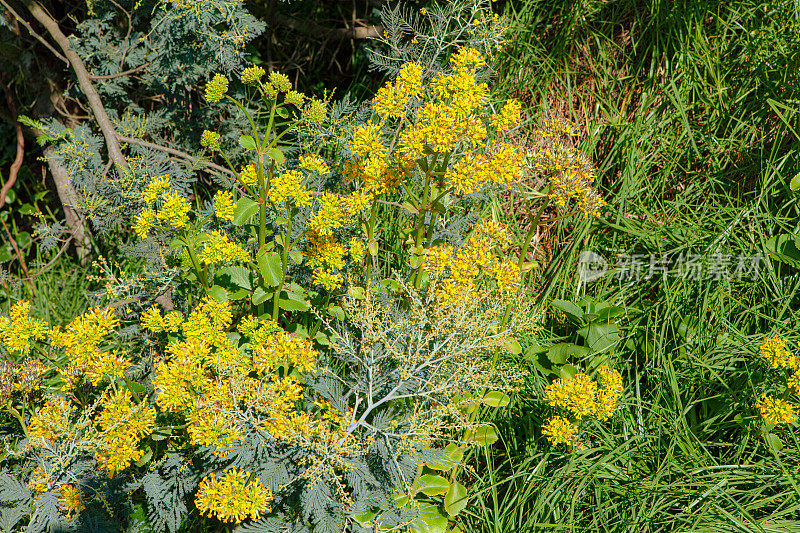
(287, 243)
(201, 275)
(249, 118)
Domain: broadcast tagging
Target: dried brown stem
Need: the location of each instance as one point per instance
(15, 166)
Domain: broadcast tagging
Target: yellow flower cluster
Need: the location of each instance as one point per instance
(503, 165)
(774, 350)
(776, 411)
(70, 501)
(219, 249)
(295, 98)
(216, 88)
(81, 340)
(390, 101)
(122, 425)
(248, 175)
(224, 205)
(280, 81)
(153, 320)
(315, 111)
(560, 430)
(584, 397)
(156, 188)
(334, 212)
(315, 164)
(289, 186)
(175, 210)
(326, 255)
(210, 140)
(280, 348)
(252, 75)
(509, 117)
(233, 497)
(18, 330)
(570, 175)
(474, 268)
(51, 422)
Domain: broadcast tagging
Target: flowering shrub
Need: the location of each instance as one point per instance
(779, 410)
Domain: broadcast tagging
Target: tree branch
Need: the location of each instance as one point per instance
(15, 166)
(173, 151)
(32, 32)
(96, 104)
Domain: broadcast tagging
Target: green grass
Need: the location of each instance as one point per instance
(689, 110)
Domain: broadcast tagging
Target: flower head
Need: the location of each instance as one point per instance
(224, 205)
(280, 81)
(210, 140)
(252, 75)
(231, 498)
(560, 430)
(216, 88)
(776, 411)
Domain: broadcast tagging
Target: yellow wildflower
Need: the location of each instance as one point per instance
(357, 249)
(210, 140)
(122, 425)
(289, 186)
(609, 392)
(776, 411)
(156, 188)
(216, 88)
(329, 279)
(19, 329)
(270, 350)
(248, 174)
(509, 116)
(467, 58)
(280, 81)
(560, 430)
(51, 422)
(295, 98)
(219, 249)
(367, 141)
(70, 501)
(314, 163)
(577, 395)
(231, 498)
(315, 111)
(144, 223)
(175, 210)
(224, 205)
(774, 350)
(252, 75)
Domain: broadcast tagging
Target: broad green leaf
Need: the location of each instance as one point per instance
(600, 335)
(276, 155)
(456, 499)
(146, 456)
(558, 353)
(175, 244)
(483, 436)
(260, 296)
(218, 293)
(567, 371)
(434, 521)
(495, 399)
(432, 484)
(775, 442)
(573, 312)
(245, 209)
(784, 249)
(364, 519)
(291, 304)
(247, 142)
(269, 264)
(233, 275)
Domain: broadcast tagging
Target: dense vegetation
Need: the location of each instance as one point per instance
(532, 267)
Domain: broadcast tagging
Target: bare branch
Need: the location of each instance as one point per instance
(32, 32)
(173, 151)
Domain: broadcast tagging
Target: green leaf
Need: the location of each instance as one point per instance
(218, 293)
(483, 436)
(146, 456)
(247, 142)
(513, 346)
(495, 399)
(432, 484)
(774, 441)
(276, 155)
(245, 209)
(365, 519)
(558, 353)
(573, 312)
(795, 183)
(291, 304)
(568, 371)
(175, 244)
(456, 499)
(234, 276)
(269, 264)
(600, 335)
(783, 248)
(433, 519)
(260, 296)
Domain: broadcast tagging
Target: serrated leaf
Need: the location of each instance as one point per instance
(245, 209)
(260, 296)
(432, 484)
(456, 499)
(233, 275)
(269, 264)
(218, 293)
(495, 399)
(247, 142)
